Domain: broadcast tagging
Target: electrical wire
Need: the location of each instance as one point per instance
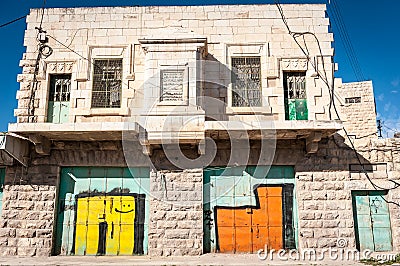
(44, 51)
(391, 129)
(41, 20)
(12, 21)
(343, 33)
(81, 56)
(330, 89)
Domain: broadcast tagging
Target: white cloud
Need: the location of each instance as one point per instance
(394, 91)
(395, 82)
(381, 97)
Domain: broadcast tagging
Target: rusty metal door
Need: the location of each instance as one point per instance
(248, 229)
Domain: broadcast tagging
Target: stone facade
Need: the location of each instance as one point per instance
(176, 223)
(196, 128)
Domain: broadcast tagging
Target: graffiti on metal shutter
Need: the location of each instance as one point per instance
(109, 223)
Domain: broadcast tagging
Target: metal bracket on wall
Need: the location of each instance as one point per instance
(15, 146)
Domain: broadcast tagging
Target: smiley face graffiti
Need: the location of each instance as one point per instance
(123, 207)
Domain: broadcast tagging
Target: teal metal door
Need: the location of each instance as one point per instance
(59, 97)
(2, 175)
(372, 221)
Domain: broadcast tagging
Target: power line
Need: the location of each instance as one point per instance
(81, 56)
(347, 44)
(41, 20)
(12, 21)
(330, 89)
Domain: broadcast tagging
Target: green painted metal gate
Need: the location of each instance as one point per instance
(59, 99)
(102, 211)
(2, 176)
(372, 221)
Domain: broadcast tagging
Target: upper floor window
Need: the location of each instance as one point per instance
(294, 84)
(246, 81)
(59, 97)
(107, 83)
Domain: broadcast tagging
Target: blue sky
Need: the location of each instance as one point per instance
(371, 25)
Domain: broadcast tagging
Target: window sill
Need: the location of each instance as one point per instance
(172, 103)
(107, 112)
(262, 110)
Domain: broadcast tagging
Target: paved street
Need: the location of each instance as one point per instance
(208, 259)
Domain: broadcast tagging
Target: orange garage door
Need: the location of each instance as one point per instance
(244, 230)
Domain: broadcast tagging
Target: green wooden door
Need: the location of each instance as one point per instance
(372, 221)
(59, 99)
(296, 109)
(2, 175)
(58, 112)
(295, 96)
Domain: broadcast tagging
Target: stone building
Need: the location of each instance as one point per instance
(182, 130)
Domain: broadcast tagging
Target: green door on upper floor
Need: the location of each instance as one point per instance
(59, 96)
(295, 96)
(372, 221)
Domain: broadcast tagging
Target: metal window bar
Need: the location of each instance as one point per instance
(107, 83)
(60, 88)
(295, 85)
(246, 83)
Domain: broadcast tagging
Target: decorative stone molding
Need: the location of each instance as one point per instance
(312, 142)
(60, 67)
(299, 64)
(42, 144)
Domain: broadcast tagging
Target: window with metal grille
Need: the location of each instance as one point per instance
(60, 88)
(295, 85)
(107, 83)
(246, 81)
(353, 100)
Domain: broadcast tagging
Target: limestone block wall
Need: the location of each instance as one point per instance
(28, 216)
(323, 188)
(176, 213)
(324, 185)
(356, 105)
(230, 30)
